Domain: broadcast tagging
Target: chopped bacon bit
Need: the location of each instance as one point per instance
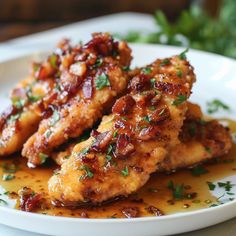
(147, 133)
(88, 88)
(89, 158)
(94, 133)
(102, 44)
(170, 88)
(139, 84)
(123, 147)
(130, 212)
(123, 105)
(120, 124)
(159, 115)
(29, 201)
(147, 96)
(154, 211)
(70, 82)
(102, 141)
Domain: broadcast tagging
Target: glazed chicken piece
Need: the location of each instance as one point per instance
(20, 120)
(201, 140)
(95, 78)
(129, 144)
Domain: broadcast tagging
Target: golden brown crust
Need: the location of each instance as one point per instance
(120, 156)
(91, 82)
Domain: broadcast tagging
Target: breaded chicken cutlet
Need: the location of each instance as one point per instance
(130, 143)
(93, 79)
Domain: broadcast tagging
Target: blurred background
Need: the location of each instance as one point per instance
(202, 24)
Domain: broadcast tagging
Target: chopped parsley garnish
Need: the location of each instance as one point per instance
(48, 133)
(215, 105)
(85, 151)
(211, 186)
(179, 100)
(208, 149)
(108, 158)
(43, 157)
(192, 130)
(109, 150)
(115, 133)
(147, 71)
(126, 68)
(125, 171)
(9, 168)
(13, 118)
(198, 170)
(179, 73)
(124, 118)
(18, 102)
(7, 177)
(182, 55)
(98, 62)
(146, 118)
(55, 118)
(89, 173)
(177, 190)
(165, 62)
(152, 108)
(152, 80)
(227, 185)
(53, 60)
(33, 98)
(102, 81)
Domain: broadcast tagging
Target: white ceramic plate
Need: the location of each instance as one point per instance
(216, 78)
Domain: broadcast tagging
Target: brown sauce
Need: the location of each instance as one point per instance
(154, 193)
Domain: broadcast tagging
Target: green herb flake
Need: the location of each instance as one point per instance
(98, 62)
(125, 171)
(7, 177)
(147, 70)
(109, 150)
(147, 119)
(198, 170)
(208, 149)
(179, 100)
(152, 80)
(152, 108)
(9, 168)
(89, 173)
(126, 68)
(179, 73)
(55, 118)
(115, 133)
(102, 81)
(227, 185)
(48, 133)
(182, 55)
(43, 157)
(216, 105)
(177, 190)
(18, 102)
(13, 118)
(211, 186)
(85, 151)
(53, 60)
(108, 158)
(165, 62)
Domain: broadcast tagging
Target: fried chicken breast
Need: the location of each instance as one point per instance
(20, 120)
(95, 78)
(129, 144)
(201, 140)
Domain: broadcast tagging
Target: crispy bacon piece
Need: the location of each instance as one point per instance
(29, 201)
